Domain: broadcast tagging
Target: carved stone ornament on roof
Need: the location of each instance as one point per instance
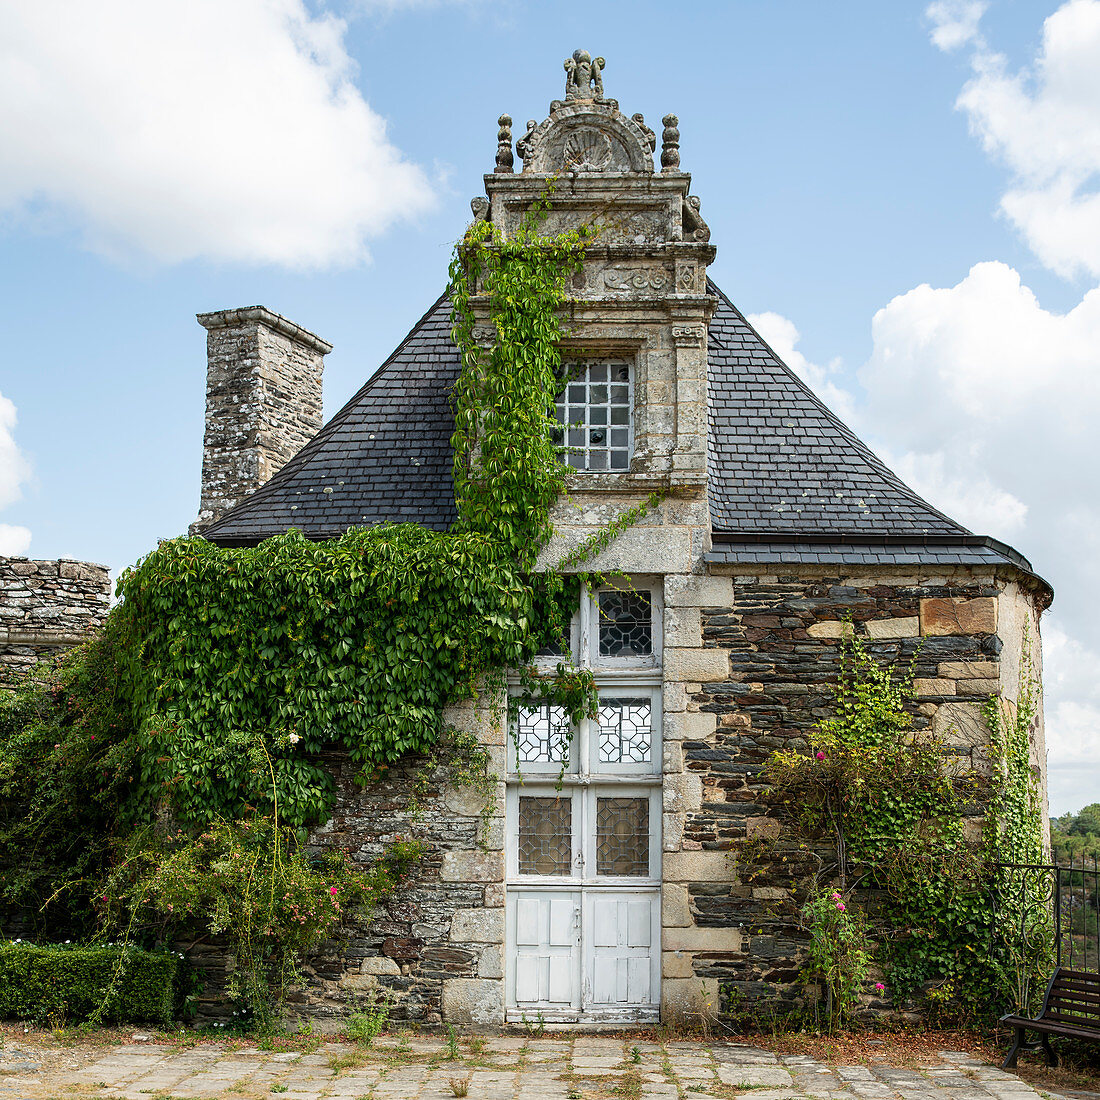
(583, 79)
(586, 132)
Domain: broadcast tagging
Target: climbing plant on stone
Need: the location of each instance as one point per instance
(880, 797)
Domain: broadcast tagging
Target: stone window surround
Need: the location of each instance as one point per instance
(641, 475)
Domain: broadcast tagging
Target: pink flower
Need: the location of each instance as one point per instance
(820, 755)
(332, 890)
(836, 895)
(879, 987)
(841, 906)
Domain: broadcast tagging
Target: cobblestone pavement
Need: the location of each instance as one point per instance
(550, 1068)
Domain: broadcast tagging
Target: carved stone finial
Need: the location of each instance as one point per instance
(670, 143)
(650, 136)
(505, 159)
(583, 76)
(523, 146)
(479, 204)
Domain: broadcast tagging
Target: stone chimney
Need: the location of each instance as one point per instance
(263, 402)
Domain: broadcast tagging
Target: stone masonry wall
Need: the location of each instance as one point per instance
(263, 401)
(47, 607)
(434, 948)
(729, 907)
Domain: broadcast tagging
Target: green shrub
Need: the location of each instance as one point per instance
(59, 982)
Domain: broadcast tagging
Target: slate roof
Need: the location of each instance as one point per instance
(789, 481)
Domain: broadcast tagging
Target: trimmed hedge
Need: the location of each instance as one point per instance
(62, 982)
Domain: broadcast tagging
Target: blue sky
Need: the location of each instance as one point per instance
(904, 197)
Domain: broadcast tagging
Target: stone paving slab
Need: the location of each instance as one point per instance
(501, 1068)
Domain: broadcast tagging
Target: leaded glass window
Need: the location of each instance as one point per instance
(625, 624)
(541, 734)
(594, 408)
(626, 731)
(545, 836)
(622, 836)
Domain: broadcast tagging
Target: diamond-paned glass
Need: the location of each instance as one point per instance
(541, 734)
(626, 624)
(626, 731)
(545, 836)
(595, 410)
(622, 836)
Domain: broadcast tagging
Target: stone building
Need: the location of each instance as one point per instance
(620, 896)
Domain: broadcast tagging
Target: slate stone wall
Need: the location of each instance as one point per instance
(731, 889)
(46, 607)
(435, 947)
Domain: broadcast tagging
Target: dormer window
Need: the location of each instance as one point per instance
(595, 409)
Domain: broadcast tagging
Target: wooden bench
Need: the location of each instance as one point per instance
(1071, 1007)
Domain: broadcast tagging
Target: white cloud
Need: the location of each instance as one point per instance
(14, 470)
(227, 130)
(955, 22)
(1072, 690)
(1044, 123)
(14, 541)
(988, 404)
(969, 497)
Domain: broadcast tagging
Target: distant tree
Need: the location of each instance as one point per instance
(1074, 835)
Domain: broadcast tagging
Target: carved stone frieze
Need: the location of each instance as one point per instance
(631, 280)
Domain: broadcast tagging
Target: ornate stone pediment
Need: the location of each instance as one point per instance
(586, 137)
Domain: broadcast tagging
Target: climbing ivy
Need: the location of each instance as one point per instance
(946, 919)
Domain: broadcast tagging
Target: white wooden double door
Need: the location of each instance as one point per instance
(584, 944)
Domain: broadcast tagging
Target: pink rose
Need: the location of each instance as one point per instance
(820, 755)
(332, 890)
(879, 987)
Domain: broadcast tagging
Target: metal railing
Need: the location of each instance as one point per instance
(1056, 902)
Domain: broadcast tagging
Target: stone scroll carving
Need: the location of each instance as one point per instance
(695, 229)
(635, 279)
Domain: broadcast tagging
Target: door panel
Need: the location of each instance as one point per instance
(545, 936)
(620, 959)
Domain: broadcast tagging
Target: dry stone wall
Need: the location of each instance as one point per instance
(47, 607)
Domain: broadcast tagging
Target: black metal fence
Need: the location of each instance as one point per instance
(1051, 909)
